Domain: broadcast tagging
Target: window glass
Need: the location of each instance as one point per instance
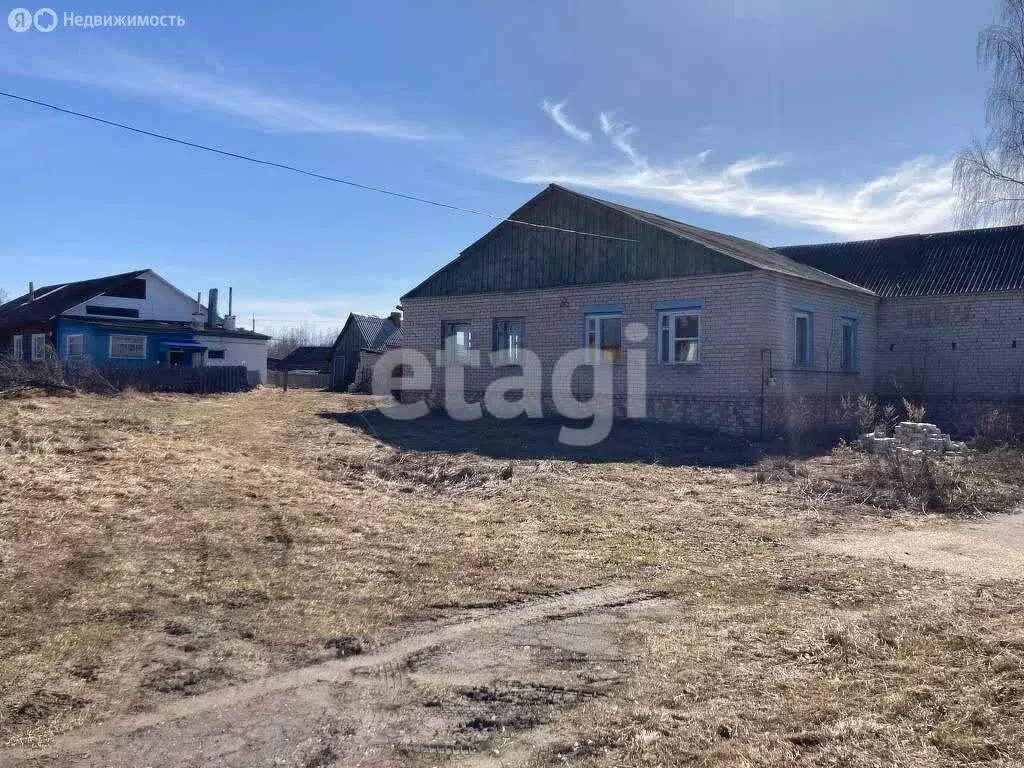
(38, 346)
(129, 347)
(849, 344)
(603, 338)
(508, 337)
(459, 339)
(803, 338)
(679, 340)
(76, 345)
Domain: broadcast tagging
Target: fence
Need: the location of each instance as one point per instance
(199, 381)
(298, 379)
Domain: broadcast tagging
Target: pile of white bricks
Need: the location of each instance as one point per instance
(912, 438)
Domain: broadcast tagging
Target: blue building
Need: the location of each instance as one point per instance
(135, 319)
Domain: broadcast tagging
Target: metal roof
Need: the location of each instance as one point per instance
(968, 261)
(52, 300)
(306, 359)
(377, 332)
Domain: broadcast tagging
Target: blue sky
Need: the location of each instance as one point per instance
(783, 121)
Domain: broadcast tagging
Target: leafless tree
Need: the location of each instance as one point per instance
(304, 335)
(989, 176)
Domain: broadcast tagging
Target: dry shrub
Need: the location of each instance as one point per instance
(997, 429)
(412, 471)
(914, 412)
(779, 469)
(959, 486)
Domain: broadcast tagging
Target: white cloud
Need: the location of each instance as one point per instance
(557, 113)
(121, 71)
(915, 196)
(322, 313)
(619, 135)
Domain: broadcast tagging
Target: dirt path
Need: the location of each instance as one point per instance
(987, 549)
(461, 691)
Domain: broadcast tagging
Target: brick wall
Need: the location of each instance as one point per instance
(960, 356)
(742, 314)
(970, 346)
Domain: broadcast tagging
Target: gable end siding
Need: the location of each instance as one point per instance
(513, 257)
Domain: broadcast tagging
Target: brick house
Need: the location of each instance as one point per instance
(737, 336)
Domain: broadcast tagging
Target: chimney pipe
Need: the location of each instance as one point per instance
(211, 310)
(31, 292)
(231, 292)
(396, 318)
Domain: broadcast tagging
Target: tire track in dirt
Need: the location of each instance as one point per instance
(231, 707)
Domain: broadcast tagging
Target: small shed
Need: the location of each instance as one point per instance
(309, 359)
(360, 332)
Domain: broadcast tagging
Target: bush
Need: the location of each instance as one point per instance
(997, 429)
(914, 413)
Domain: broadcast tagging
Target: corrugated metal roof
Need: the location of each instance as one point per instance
(377, 332)
(968, 261)
(52, 300)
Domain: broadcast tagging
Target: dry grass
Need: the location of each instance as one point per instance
(153, 547)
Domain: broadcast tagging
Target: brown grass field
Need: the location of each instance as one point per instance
(154, 548)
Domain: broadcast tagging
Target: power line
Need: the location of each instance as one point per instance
(293, 169)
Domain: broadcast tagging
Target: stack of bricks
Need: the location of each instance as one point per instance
(912, 438)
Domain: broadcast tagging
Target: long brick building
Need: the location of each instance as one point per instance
(738, 336)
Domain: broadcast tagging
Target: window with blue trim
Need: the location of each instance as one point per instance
(602, 337)
(803, 326)
(75, 345)
(849, 343)
(458, 340)
(679, 336)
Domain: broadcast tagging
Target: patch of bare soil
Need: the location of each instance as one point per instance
(987, 549)
(460, 692)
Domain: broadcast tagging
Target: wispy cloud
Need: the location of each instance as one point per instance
(619, 134)
(915, 196)
(322, 313)
(557, 113)
(210, 89)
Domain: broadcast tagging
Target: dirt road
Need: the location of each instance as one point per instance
(465, 691)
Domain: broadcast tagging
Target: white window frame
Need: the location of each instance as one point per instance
(119, 337)
(809, 338)
(592, 325)
(509, 354)
(667, 322)
(458, 353)
(39, 353)
(80, 337)
(854, 325)
(18, 347)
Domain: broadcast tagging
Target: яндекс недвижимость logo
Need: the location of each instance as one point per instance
(22, 19)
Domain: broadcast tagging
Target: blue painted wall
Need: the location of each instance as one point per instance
(97, 342)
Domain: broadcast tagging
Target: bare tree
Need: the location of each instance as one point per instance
(989, 176)
(303, 335)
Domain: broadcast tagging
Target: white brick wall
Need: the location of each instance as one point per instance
(742, 314)
(916, 338)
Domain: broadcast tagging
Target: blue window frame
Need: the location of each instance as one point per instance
(803, 336)
(849, 341)
(602, 332)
